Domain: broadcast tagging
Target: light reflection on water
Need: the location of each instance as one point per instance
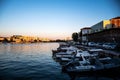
(30, 62)
(25, 51)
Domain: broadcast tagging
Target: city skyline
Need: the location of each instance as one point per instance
(56, 19)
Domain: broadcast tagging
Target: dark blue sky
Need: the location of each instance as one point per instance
(53, 18)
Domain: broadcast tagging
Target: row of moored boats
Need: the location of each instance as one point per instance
(86, 62)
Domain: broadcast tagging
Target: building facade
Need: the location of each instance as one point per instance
(106, 31)
(1, 39)
(115, 22)
(105, 36)
(84, 34)
(105, 24)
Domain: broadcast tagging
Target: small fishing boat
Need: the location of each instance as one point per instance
(68, 54)
(64, 52)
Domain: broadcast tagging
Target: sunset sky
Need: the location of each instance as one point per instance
(53, 18)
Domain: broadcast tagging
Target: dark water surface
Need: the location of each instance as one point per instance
(31, 62)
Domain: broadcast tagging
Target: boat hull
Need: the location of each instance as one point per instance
(110, 72)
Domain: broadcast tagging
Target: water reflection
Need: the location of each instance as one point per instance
(33, 62)
(29, 62)
(43, 47)
(94, 77)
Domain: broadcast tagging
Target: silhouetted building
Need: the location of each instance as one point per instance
(109, 35)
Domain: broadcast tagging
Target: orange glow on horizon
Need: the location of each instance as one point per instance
(51, 36)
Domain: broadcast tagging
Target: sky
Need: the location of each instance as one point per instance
(54, 19)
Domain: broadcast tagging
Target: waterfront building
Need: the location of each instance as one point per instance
(105, 36)
(24, 39)
(8, 39)
(4, 39)
(84, 34)
(104, 31)
(1, 39)
(16, 38)
(115, 22)
(105, 24)
(86, 30)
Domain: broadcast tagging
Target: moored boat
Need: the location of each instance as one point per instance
(94, 65)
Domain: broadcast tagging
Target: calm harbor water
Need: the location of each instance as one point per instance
(31, 62)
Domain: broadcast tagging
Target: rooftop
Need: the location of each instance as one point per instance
(116, 17)
(86, 28)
